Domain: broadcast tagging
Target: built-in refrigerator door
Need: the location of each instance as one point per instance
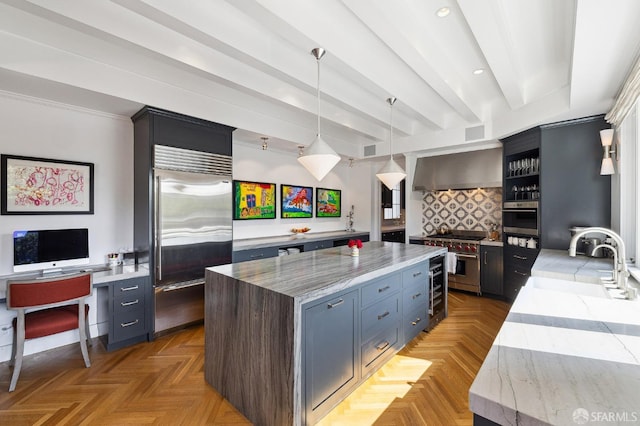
(193, 225)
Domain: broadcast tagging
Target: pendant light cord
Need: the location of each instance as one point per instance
(391, 130)
(318, 62)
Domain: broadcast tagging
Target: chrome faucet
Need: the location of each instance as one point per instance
(620, 272)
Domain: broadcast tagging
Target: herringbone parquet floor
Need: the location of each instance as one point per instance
(162, 382)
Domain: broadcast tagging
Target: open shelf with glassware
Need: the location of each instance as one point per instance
(522, 176)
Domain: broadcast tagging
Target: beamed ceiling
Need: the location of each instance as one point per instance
(247, 64)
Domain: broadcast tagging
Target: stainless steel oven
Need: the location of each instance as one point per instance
(521, 217)
(466, 246)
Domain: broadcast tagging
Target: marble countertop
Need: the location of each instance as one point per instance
(567, 353)
(102, 275)
(309, 275)
(558, 264)
(254, 243)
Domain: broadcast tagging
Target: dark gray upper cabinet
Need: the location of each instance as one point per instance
(572, 191)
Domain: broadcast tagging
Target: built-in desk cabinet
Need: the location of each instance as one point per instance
(127, 312)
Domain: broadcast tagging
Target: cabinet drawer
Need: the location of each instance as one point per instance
(129, 323)
(129, 290)
(415, 275)
(380, 288)
(414, 321)
(520, 256)
(379, 316)
(254, 254)
(380, 344)
(414, 296)
(317, 245)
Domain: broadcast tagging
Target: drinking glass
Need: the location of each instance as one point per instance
(518, 167)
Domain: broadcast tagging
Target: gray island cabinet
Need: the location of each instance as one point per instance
(288, 338)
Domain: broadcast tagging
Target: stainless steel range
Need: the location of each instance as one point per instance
(466, 246)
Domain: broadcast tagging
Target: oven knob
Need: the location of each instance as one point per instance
(467, 248)
(459, 247)
(450, 246)
(474, 249)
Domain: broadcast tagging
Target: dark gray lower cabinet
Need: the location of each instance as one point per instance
(517, 269)
(491, 270)
(127, 305)
(330, 351)
(394, 236)
(349, 335)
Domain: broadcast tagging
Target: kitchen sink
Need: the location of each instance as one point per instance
(566, 286)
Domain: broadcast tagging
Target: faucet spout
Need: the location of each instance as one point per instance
(620, 271)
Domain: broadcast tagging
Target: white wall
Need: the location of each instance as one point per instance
(37, 128)
(252, 163)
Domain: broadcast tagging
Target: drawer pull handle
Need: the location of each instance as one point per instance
(380, 290)
(521, 273)
(133, 287)
(415, 296)
(134, 302)
(382, 346)
(520, 257)
(417, 274)
(416, 321)
(333, 305)
(128, 324)
(383, 315)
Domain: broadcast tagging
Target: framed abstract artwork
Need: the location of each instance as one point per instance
(32, 186)
(297, 201)
(254, 200)
(328, 202)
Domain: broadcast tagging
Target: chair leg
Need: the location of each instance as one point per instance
(18, 351)
(83, 336)
(88, 332)
(14, 345)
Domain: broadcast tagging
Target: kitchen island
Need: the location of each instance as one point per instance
(568, 352)
(287, 338)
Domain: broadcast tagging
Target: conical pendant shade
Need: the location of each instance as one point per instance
(391, 173)
(319, 158)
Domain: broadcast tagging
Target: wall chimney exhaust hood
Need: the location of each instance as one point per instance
(465, 170)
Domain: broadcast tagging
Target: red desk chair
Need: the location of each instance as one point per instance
(55, 305)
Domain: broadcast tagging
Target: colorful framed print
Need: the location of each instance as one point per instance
(254, 200)
(328, 202)
(33, 186)
(297, 201)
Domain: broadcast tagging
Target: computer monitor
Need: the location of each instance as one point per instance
(50, 249)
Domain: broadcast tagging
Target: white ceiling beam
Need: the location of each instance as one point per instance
(488, 24)
(360, 51)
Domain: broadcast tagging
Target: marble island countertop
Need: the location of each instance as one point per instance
(309, 275)
(567, 353)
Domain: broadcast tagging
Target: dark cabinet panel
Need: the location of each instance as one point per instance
(491, 270)
(517, 269)
(394, 236)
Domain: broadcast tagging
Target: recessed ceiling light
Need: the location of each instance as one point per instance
(478, 71)
(442, 12)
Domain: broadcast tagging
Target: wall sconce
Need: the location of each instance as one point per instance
(264, 143)
(606, 137)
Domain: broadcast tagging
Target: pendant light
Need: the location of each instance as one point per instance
(391, 173)
(319, 158)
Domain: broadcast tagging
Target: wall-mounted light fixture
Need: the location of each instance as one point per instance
(264, 143)
(606, 137)
(319, 158)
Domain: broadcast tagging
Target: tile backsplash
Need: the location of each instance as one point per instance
(468, 209)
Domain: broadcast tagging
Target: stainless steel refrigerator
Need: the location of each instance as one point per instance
(192, 230)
